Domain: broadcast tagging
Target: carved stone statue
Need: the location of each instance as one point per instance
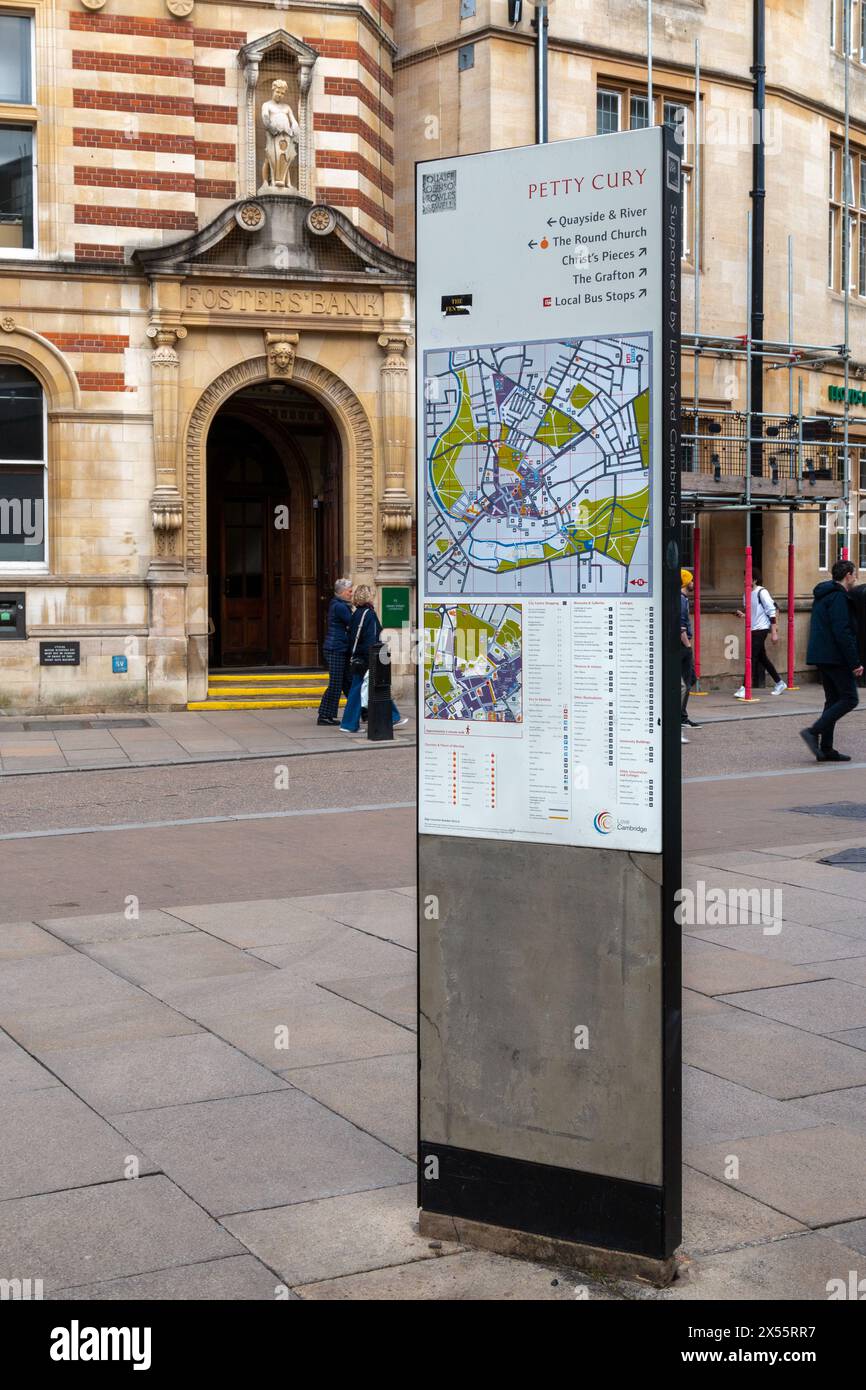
(281, 144)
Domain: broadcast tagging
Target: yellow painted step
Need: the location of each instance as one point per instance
(220, 704)
(302, 677)
(221, 693)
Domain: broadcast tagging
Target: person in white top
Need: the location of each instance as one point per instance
(764, 624)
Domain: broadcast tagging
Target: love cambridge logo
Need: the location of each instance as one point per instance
(602, 823)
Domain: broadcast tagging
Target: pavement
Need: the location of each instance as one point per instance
(64, 742)
(207, 1047)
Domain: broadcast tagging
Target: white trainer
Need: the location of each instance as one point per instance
(779, 687)
(740, 694)
(683, 738)
(400, 723)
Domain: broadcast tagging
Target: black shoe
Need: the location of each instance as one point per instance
(691, 723)
(810, 738)
(328, 721)
(831, 756)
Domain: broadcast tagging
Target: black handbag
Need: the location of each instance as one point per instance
(358, 664)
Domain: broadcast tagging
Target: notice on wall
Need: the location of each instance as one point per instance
(540, 490)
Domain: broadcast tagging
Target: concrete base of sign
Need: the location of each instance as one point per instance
(590, 1259)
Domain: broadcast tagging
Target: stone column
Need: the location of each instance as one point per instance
(250, 173)
(166, 643)
(395, 507)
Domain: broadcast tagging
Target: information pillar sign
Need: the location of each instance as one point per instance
(549, 780)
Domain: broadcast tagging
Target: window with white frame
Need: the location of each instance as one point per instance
(852, 20)
(17, 134)
(626, 108)
(846, 259)
(23, 470)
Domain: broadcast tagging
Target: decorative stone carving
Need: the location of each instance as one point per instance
(282, 141)
(395, 506)
(166, 504)
(250, 216)
(181, 9)
(321, 220)
(7, 323)
(93, 4)
(281, 354)
(296, 54)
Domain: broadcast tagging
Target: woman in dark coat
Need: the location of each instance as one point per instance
(335, 648)
(364, 630)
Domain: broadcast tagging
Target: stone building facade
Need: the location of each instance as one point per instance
(465, 81)
(205, 376)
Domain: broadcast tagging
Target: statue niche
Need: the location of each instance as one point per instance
(282, 138)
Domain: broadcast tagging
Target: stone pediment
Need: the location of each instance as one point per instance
(278, 237)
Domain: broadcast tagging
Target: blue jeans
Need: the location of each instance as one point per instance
(352, 713)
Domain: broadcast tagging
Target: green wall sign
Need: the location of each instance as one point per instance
(395, 607)
(837, 393)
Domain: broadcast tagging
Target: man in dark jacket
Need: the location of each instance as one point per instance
(834, 650)
(336, 650)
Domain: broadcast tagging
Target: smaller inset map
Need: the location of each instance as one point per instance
(473, 662)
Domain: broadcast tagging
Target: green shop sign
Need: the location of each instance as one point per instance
(837, 393)
(395, 607)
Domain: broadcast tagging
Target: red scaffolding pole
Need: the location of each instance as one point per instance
(790, 631)
(747, 670)
(697, 583)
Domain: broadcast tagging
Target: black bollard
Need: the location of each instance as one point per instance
(380, 725)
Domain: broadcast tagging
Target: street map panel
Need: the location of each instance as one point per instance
(473, 662)
(538, 468)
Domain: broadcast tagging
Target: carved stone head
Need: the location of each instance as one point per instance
(280, 90)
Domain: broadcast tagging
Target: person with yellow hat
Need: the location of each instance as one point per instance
(688, 659)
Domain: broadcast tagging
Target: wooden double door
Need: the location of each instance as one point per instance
(266, 552)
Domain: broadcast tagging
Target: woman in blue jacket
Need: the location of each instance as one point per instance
(364, 630)
(335, 648)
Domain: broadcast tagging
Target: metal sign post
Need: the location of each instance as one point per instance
(549, 693)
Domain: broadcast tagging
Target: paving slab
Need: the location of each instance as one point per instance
(472, 1276)
(270, 922)
(19, 1071)
(49, 1139)
(846, 1108)
(391, 996)
(18, 940)
(714, 1108)
(797, 1268)
(695, 1004)
(52, 981)
(718, 970)
(823, 1006)
(794, 943)
(236, 1278)
(328, 951)
(91, 1025)
(165, 960)
(262, 1151)
(817, 1176)
(312, 1241)
(112, 1230)
(718, 1217)
(113, 926)
(155, 1072)
(379, 1094)
(853, 970)
(378, 911)
(770, 1057)
(851, 1234)
(796, 904)
(854, 1037)
(282, 1021)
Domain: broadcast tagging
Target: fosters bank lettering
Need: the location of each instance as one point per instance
(234, 299)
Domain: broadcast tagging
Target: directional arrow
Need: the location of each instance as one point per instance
(641, 294)
(551, 221)
(532, 245)
(642, 273)
(641, 252)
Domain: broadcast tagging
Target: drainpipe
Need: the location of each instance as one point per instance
(758, 195)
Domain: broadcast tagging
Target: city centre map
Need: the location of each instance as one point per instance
(538, 468)
(473, 662)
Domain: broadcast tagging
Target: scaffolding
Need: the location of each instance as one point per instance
(751, 460)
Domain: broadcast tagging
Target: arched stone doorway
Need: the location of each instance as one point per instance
(274, 541)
